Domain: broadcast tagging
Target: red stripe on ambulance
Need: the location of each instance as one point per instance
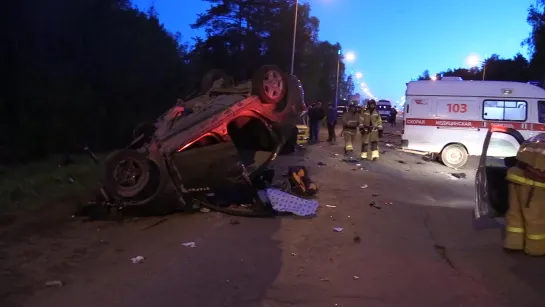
(471, 124)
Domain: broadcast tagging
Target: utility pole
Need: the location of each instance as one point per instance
(338, 75)
(294, 36)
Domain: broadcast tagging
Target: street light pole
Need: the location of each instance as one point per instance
(294, 36)
(337, 83)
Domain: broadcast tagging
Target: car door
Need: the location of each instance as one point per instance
(491, 199)
(208, 169)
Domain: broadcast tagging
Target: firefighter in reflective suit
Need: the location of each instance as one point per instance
(525, 219)
(371, 130)
(351, 121)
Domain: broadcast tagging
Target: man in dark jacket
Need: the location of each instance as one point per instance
(315, 115)
(393, 115)
(331, 118)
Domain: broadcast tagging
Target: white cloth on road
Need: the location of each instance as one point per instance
(285, 202)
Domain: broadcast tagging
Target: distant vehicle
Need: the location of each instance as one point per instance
(303, 131)
(384, 107)
(452, 117)
(356, 99)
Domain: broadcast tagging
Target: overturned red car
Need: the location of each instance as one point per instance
(211, 147)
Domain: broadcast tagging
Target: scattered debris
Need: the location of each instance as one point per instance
(234, 222)
(389, 145)
(189, 244)
(338, 229)
(204, 210)
(331, 206)
(375, 195)
(357, 239)
(389, 203)
(459, 175)
(374, 205)
(401, 162)
(418, 162)
(364, 186)
(137, 259)
(358, 165)
(324, 279)
(54, 283)
(321, 164)
(293, 254)
(355, 277)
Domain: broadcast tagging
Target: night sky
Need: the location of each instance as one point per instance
(396, 40)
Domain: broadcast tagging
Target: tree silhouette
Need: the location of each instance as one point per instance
(86, 72)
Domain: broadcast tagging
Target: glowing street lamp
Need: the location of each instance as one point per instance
(350, 57)
(433, 78)
(473, 60)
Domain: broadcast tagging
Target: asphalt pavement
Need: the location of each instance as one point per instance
(415, 247)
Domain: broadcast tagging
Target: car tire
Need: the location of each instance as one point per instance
(454, 156)
(291, 144)
(125, 163)
(212, 76)
(270, 84)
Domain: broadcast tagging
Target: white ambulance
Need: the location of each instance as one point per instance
(451, 116)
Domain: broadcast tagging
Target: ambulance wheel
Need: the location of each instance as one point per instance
(454, 156)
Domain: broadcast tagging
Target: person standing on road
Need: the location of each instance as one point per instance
(331, 118)
(350, 120)
(371, 130)
(315, 115)
(393, 115)
(525, 218)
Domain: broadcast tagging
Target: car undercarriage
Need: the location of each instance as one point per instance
(212, 150)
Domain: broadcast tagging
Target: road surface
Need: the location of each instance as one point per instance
(421, 250)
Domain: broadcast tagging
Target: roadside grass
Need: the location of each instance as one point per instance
(28, 186)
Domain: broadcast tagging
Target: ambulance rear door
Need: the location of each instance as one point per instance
(419, 112)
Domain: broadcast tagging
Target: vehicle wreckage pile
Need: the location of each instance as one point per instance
(212, 150)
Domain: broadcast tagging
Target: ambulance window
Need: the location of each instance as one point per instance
(505, 110)
(541, 111)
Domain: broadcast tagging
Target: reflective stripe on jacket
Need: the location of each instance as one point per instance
(517, 175)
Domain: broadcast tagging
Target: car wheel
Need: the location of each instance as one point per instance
(269, 84)
(125, 173)
(214, 75)
(454, 156)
